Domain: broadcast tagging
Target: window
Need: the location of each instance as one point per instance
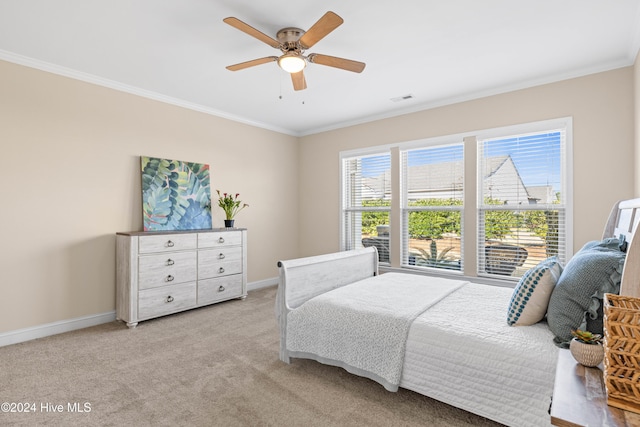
(491, 203)
(522, 201)
(366, 202)
(433, 198)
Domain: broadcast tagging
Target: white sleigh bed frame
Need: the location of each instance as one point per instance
(303, 279)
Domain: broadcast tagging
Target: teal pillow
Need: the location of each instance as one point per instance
(531, 295)
(576, 301)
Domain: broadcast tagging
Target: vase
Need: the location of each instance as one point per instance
(586, 354)
(228, 223)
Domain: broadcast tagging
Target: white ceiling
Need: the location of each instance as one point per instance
(438, 51)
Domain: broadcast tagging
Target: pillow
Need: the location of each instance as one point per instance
(576, 301)
(532, 293)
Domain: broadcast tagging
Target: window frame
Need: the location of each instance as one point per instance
(566, 182)
(472, 183)
(406, 209)
(346, 244)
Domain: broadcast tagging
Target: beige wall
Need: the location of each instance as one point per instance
(636, 93)
(602, 108)
(70, 162)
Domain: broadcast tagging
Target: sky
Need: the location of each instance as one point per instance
(537, 157)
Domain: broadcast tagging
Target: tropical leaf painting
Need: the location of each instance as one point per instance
(175, 195)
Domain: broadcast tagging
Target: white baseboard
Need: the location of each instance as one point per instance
(262, 284)
(41, 331)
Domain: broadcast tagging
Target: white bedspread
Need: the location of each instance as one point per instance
(462, 352)
(365, 332)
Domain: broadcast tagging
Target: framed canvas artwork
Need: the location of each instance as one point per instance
(175, 195)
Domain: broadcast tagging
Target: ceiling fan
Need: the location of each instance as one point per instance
(293, 42)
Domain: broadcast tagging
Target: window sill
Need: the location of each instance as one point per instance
(506, 283)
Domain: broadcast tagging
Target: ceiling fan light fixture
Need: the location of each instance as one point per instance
(293, 42)
(292, 62)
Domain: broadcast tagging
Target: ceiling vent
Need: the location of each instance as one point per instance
(402, 98)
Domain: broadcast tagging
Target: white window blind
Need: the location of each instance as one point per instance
(366, 202)
(515, 211)
(433, 198)
(521, 201)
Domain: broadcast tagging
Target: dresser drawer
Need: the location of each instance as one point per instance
(166, 300)
(167, 268)
(167, 242)
(219, 289)
(218, 239)
(219, 262)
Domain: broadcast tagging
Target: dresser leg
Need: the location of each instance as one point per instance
(132, 325)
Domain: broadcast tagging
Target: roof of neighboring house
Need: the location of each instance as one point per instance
(542, 193)
(440, 177)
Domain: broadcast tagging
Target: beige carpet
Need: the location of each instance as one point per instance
(213, 366)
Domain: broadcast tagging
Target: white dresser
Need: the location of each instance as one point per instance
(160, 273)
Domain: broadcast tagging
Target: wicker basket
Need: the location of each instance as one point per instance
(622, 351)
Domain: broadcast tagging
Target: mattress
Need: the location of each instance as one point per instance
(462, 352)
(373, 314)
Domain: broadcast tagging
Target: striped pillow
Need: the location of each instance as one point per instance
(531, 296)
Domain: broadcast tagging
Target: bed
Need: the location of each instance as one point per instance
(449, 340)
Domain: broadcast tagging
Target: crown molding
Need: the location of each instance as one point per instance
(112, 84)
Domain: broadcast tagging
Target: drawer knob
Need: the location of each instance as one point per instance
(169, 299)
(221, 256)
(170, 278)
(170, 261)
(221, 240)
(170, 244)
(221, 288)
(221, 270)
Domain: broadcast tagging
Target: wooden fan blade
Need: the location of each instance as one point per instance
(299, 82)
(333, 61)
(246, 28)
(252, 63)
(329, 22)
